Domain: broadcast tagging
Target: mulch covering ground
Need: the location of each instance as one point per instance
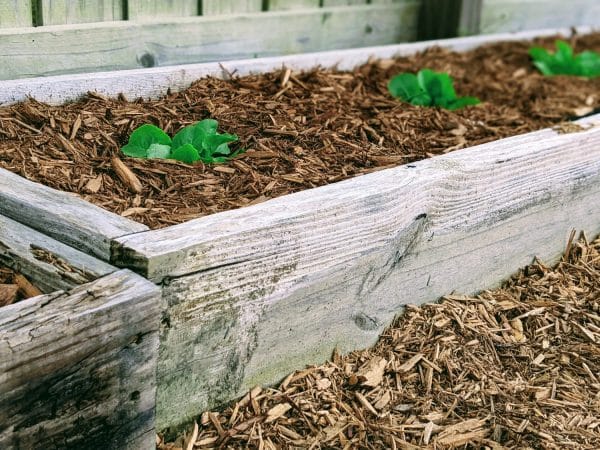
(513, 368)
(15, 287)
(301, 131)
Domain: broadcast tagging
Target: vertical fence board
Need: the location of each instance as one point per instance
(278, 5)
(15, 13)
(470, 17)
(59, 12)
(438, 19)
(157, 9)
(343, 2)
(213, 7)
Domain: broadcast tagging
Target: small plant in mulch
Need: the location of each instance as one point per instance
(428, 88)
(197, 142)
(565, 62)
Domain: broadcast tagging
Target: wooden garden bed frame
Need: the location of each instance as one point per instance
(251, 294)
(77, 367)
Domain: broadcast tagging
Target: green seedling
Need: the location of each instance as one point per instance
(197, 142)
(428, 88)
(565, 62)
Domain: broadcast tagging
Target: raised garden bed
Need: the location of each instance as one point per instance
(250, 294)
(77, 365)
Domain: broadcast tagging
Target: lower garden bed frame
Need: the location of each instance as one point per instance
(77, 365)
(251, 294)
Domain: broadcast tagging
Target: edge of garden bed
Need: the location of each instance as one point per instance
(154, 82)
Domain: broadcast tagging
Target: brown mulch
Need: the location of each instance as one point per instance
(301, 129)
(513, 368)
(15, 287)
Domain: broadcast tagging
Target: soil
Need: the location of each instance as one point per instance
(15, 287)
(513, 368)
(301, 131)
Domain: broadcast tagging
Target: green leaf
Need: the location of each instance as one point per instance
(589, 64)
(461, 102)
(186, 153)
(142, 138)
(406, 87)
(184, 136)
(428, 88)
(213, 143)
(437, 85)
(564, 62)
(159, 151)
(208, 126)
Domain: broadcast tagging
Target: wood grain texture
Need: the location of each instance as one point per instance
(273, 287)
(159, 9)
(212, 7)
(515, 15)
(15, 13)
(62, 216)
(53, 265)
(343, 2)
(60, 12)
(77, 369)
(279, 5)
(126, 45)
(152, 83)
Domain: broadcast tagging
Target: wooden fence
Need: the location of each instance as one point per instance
(49, 37)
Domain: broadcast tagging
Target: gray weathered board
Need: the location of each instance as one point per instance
(102, 46)
(54, 265)
(77, 368)
(253, 293)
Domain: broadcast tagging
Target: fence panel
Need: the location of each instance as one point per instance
(59, 12)
(280, 5)
(158, 9)
(213, 7)
(15, 13)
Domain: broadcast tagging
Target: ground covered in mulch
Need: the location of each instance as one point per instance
(301, 131)
(514, 368)
(15, 287)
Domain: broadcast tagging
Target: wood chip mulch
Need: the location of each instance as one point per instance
(301, 130)
(15, 287)
(513, 368)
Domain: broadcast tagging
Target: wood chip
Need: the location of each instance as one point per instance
(8, 294)
(126, 175)
(372, 373)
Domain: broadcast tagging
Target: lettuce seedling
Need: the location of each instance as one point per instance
(428, 88)
(197, 142)
(565, 62)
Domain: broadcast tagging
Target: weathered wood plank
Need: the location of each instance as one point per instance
(77, 369)
(470, 17)
(159, 9)
(343, 2)
(126, 45)
(152, 83)
(15, 13)
(515, 15)
(212, 7)
(280, 284)
(61, 215)
(281, 5)
(60, 12)
(54, 266)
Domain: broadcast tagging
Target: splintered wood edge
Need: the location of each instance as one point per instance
(62, 215)
(460, 189)
(154, 82)
(18, 244)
